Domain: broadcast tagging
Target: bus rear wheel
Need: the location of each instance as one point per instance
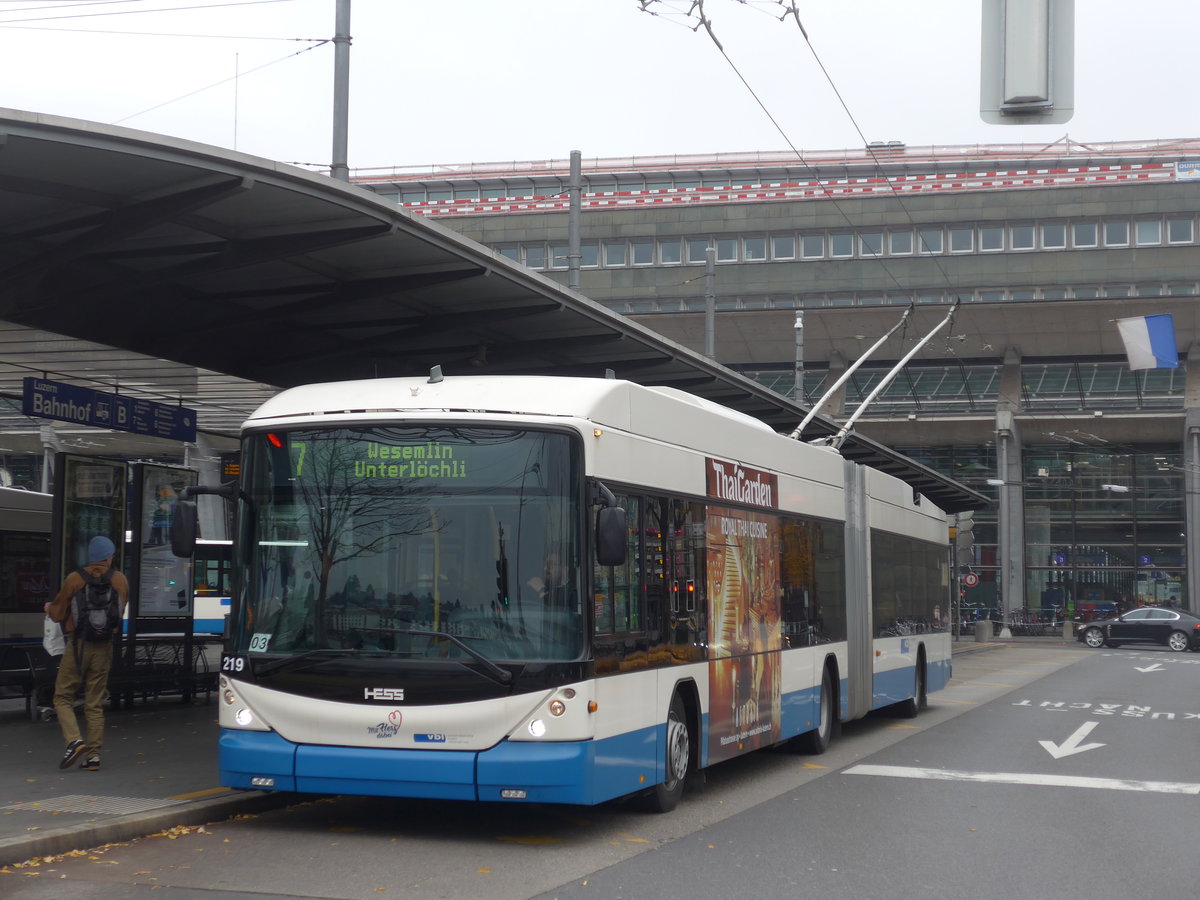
(816, 741)
(664, 797)
(909, 708)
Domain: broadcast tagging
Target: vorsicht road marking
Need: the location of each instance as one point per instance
(1105, 784)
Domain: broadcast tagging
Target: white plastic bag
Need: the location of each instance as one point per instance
(52, 637)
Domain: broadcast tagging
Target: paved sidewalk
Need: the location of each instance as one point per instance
(159, 770)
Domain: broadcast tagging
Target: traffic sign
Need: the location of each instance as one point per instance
(970, 579)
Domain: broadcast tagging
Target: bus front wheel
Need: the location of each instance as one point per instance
(664, 797)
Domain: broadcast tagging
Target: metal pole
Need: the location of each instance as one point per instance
(575, 196)
(798, 368)
(341, 92)
(710, 303)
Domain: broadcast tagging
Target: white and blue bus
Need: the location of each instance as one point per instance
(557, 590)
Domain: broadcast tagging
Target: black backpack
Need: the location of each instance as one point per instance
(97, 607)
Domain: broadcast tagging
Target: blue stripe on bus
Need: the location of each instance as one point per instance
(897, 684)
(581, 772)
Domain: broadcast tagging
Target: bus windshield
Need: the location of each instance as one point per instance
(458, 542)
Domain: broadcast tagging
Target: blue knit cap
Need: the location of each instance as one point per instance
(99, 549)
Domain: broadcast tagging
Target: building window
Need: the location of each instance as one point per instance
(558, 256)
(643, 253)
(930, 240)
(962, 240)
(513, 253)
(589, 256)
(697, 250)
(1054, 294)
(783, 246)
(669, 252)
(900, 243)
(871, 243)
(1054, 237)
(413, 196)
(812, 246)
(1022, 237)
(614, 254)
(441, 195)
(535, 256)
(841, 245)
(1179, 231)
(1116, 234)
(755, 248)
(991, 238)
(727, 250)
(1083, 234)
(1148, 232)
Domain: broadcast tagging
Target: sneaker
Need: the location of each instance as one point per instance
(75, 749)
(92, 763)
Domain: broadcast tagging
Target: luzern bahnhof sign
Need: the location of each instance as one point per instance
(70, 403)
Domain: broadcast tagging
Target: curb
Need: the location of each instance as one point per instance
(136, 825)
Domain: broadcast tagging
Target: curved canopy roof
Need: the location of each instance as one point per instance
(210, 263)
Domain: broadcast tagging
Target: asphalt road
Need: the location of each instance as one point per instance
(1002, 787)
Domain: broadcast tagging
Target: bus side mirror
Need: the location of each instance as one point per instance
(184, 525)
(610, 536)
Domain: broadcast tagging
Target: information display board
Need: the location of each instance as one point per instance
(163, 581)
(89, 500)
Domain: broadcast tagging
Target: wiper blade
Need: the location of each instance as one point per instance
(503, 676)
(271, 665)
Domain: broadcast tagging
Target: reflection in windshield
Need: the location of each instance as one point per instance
(387, 540)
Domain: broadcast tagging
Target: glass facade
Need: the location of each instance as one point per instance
(1103, 531)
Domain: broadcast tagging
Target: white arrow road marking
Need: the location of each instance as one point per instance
(1107, 784)
(1071, 745)
(1154, 668)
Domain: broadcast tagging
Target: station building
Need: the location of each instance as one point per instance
(1026, 394)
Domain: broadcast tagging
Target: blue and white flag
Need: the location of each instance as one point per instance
(1149, 342)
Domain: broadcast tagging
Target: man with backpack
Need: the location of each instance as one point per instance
(90, 605)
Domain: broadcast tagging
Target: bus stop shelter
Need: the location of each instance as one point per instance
(197, 275)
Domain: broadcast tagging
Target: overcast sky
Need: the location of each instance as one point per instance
(445, 81)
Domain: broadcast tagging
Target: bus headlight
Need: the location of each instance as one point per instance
(557, 708)
(537, 728)
(244, 717)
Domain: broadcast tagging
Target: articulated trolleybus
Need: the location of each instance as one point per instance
(558, 590)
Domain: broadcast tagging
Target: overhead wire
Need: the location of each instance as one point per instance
(696, 13)
(129, 12)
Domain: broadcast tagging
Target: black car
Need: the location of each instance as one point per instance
(1149, 625)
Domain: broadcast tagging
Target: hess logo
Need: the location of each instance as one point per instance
(383, 693)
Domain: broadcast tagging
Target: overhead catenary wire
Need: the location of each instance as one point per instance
(696, 13)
